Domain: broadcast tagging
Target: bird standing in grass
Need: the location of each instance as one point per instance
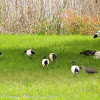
(87, 52)
(89, 70)
(52, 56)
(75, 69)
(97, 34)
(29, 52)
(45, 62)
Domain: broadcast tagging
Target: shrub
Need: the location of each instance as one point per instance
(24, 17)
(74, 23)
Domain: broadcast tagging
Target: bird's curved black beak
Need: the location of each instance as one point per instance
(24, 51)
(73, 62)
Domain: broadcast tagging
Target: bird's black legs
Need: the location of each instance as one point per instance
(74, 75)
(31, 57)
(43, 67)
(47, 67)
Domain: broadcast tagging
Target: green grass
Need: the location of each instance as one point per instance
(24, 79)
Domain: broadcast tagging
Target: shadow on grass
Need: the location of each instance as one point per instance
(67, 48)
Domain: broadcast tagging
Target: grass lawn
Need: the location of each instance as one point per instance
(24, 79)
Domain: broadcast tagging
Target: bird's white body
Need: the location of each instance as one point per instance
(29, 53)
(98, 33)
(97, 55)
(43, 62)
(73, 69)
(51, 56)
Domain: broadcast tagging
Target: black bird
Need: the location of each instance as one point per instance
(96, 54)
(89, 70)
(88, 52)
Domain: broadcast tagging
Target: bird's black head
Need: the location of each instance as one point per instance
(24, 51)
(54, 57)
(0, 53)
(76, 70)
(73, 62)
(95, 35)
(44, 57)
(32, 52)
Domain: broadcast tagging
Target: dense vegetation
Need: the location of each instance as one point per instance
(50, 16)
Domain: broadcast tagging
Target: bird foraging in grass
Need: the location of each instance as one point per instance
(89, 70)
(97, 34)
(74, 68)
(95, 53)
(87, 52)
(45, 62)
(29, 52)
(52, 56)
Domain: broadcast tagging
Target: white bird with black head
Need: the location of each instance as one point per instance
(52, 56)
(29, 52)
(97, 34)
(96, 54)
(74, 68)
(45, 62)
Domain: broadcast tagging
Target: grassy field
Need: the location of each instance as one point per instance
(24, 79)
